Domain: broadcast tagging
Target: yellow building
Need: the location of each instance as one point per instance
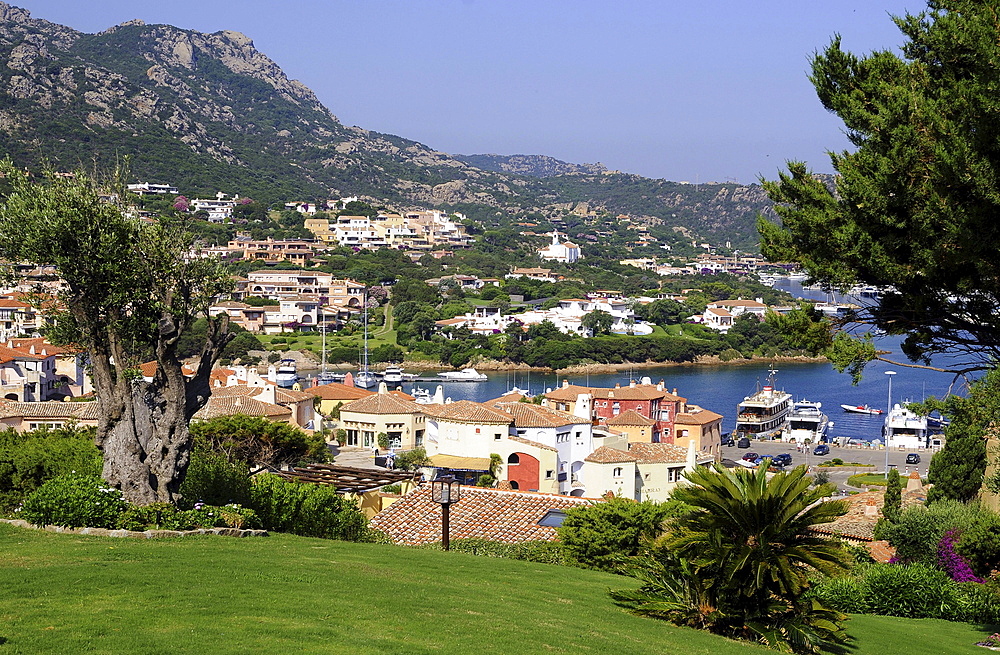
(403, 421)
(702, 426)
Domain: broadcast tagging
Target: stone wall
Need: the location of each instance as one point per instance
(147, 534)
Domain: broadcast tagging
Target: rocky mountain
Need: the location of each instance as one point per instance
(530, 165)
(209, 112)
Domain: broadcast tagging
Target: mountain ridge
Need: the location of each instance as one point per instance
(209, 112)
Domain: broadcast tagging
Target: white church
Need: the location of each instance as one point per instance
(557, 251)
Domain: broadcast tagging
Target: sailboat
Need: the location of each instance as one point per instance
(365, 378)
(324, 376)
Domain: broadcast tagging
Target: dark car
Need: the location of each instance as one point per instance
(750, 457)
(781, 459)
(913, 458)
(822, 449)
(727, 440)
(744, 442)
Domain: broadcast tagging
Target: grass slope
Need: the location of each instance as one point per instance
(69, 594)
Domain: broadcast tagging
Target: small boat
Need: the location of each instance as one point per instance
(287, 374)
(860, 409)
(806, 423)
(328, 377)
(466, 374)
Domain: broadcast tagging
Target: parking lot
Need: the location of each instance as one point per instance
(873, 456)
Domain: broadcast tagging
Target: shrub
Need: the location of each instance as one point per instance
(914, 591)
(602, 536)
(309, 510)
(213, 479)
(163, 516)
(257, 440)
(919, 530)
(29, 459)
(545, 552)
(74, 501)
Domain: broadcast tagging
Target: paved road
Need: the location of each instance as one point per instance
(860, 455)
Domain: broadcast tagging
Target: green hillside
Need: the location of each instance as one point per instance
(283, 594)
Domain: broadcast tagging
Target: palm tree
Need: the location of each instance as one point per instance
(747, 551)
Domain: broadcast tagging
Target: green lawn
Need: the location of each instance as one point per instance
(282, 594)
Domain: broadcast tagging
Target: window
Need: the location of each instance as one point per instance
(418, 438)
(477, 430)
(553, 518)
(497, 436)
(513, 459)
(549, 475)
(617, 472)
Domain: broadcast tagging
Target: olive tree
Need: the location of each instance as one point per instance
(128, 296)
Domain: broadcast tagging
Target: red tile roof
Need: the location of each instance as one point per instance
(660, 453)
(631, 417)
(494, 514)
(527, 415)
(609, 455)
(382, 403)
(467, 411)
(338, 391)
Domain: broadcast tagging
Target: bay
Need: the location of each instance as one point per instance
(720, 388)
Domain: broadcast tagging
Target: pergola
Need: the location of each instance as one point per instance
(346, 479)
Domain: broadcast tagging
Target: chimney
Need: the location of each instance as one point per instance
(675, 391)
(631, 384)
(659, 385)
(871, 507)
(565, 383)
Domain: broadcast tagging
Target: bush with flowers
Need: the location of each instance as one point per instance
(74, 501)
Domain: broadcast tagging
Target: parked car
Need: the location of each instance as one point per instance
(822, 449)
(913, 458)
(727, 440)
(744, 442)
(781, 459)
(750, 457)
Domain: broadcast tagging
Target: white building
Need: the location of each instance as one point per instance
(560, 251)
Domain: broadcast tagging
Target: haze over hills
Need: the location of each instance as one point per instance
(209, 112)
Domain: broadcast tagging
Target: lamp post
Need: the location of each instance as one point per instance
(445, 491)
(888, 414)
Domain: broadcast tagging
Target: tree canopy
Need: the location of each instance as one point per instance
(129, 297)
(913, 207)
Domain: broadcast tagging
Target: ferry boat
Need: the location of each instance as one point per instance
(906, 429)
(806, 423)
(287, 374)
(765, 412)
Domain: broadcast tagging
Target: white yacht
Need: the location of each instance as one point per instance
(466, 374)
(393, 374)
(806, 423)
(287, 374)
(765, 412)
(906, 429)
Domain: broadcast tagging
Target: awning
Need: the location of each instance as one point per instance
(460, 463)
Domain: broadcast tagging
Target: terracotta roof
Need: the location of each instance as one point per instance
(738, 303)
(8, 354)
(638, 392)
(50, 409)
(460, 463)
(382, 403)
(494, 514)
(527, 415)
(466, 411)
(609, 455)
(233, 405)
(529, 442)
(631, 417)
(338, 391)
(149, 369)
(509, 397)
(39, 343)
(859, 525)
(703, 417)
(659, 453)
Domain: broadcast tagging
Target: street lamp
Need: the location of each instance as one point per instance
(888, 414)
(445, 491)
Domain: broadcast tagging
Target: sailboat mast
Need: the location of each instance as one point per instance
(365, 305)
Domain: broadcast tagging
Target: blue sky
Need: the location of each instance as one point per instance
(681, 90)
